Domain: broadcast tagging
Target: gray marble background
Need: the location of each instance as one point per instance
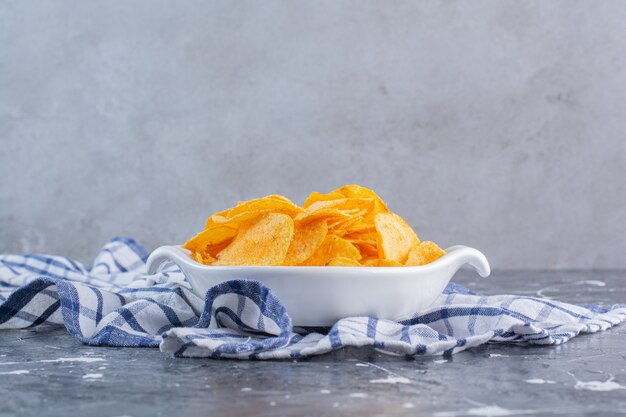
(497, 124)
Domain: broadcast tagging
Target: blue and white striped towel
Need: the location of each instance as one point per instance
(114, 303)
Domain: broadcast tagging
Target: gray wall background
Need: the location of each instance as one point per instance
(497, 124)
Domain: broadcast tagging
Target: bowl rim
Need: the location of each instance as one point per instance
(455, 255)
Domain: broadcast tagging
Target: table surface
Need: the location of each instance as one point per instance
(49, 373)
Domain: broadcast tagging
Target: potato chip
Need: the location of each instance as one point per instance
(203, 258)
(281, 198)
(362, 236)
(367, 249)
(211, 236)
(262, 241)
(364, 226)
(341, 261)
(356, 191)
(325, 213)
(249, 209)
(372, 261)
(306, 239)
(349, 226)
(342, 208)
(240, 217)
(395, 237)
(340, 227)
(315, 196)
(212, 251)
(424, 253)
(332, 247)
(388, 262)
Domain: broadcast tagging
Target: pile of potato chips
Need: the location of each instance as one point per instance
(350, 226)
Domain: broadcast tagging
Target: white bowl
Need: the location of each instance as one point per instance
(321, 295)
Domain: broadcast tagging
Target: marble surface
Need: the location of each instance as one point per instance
(46, 373)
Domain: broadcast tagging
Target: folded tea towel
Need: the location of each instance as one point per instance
(114, 303)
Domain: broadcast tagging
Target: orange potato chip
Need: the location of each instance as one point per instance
(364, 236)
(213, 235)
(373, 261)
(356, 191)
(245, 210)
(203, 258)
(281, 198)
(424, 253)
(329, 213)
(364, 226)
(315, 196)
(212, 251)
(388, 262)
(332, 247)
(395, 237)
(349, 226)
(262, 241)
(306, 239)
(367, 249)
(240, 217)
(341, 261)
(340, 227)
(342, 208)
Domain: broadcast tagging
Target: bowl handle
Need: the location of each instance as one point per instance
(165, 254)
(460, 255)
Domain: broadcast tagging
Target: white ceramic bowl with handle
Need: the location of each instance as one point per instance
(321, 295)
